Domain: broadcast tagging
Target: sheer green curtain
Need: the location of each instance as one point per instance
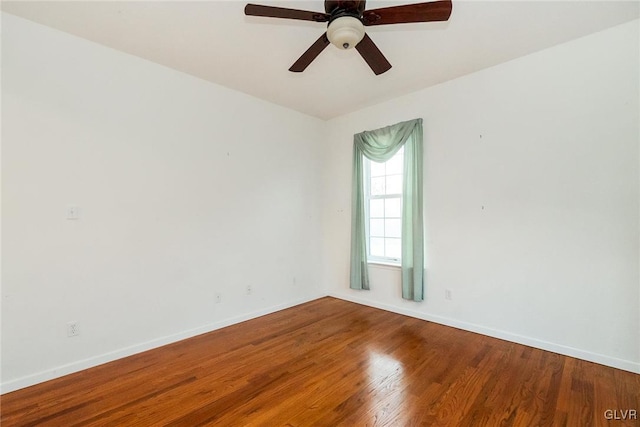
(380, 145)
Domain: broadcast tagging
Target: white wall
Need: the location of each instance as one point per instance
(531, 200)
(533, 226)
(185, 189)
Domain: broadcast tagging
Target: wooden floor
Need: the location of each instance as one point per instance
(328, 363)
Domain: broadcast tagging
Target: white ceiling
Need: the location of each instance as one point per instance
(213, 40)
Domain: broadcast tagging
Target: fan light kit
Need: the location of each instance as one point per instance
(345, 32)
(347, 19)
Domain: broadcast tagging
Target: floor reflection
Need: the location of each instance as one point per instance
(388, 387)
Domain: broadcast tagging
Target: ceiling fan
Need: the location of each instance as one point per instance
(347, 19)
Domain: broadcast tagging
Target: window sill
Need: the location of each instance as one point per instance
(385, 264)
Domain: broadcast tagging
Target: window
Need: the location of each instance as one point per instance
(383, 188)
(387, 223)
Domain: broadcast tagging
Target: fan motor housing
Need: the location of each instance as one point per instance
(345, 7)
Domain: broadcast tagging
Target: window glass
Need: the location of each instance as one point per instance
(392, 248)
(383, 182)
(378, 186)
(392, 228)
(378, 169)
(377, 247)
(376, 208)
(376, 228)
(394, 184)
(393, 207)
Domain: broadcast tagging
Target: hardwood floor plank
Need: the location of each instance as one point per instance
(330, 363)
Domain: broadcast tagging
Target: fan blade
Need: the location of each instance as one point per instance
(421, 12)
(370, 52)
(283, 12)
(312, 53)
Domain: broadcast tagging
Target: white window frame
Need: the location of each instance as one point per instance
(373, 259)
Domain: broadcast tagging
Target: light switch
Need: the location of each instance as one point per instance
(73, 212)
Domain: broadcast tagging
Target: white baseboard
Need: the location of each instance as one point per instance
(59, 371)
(29, 380)
(613, 362)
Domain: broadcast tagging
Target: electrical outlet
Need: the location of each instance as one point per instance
(218, 297)
(249, 290)
(447, 294)
(73, 330)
